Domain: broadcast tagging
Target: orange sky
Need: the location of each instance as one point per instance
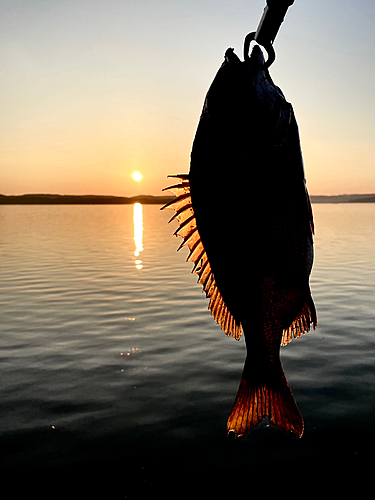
(92, 91)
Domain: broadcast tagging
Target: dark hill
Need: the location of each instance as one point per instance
(57, 199)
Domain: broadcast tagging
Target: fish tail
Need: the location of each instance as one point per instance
(257, 400)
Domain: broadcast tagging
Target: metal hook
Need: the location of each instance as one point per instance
(272, 18)
(267, 46)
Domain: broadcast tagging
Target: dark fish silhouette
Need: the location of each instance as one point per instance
(245, 214)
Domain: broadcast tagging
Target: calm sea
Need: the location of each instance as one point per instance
(111, 365)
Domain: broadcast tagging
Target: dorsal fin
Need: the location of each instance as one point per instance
(191, 238)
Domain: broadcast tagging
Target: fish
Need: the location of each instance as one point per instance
(244, 212)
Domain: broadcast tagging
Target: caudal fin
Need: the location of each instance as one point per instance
(255, 401)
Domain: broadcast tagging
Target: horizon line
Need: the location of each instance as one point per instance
(157, 196)
(93, 199)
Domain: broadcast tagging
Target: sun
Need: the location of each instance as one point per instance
(137, 176)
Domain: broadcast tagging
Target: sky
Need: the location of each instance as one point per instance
(93, 90)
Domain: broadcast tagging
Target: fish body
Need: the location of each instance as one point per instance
(247, 206)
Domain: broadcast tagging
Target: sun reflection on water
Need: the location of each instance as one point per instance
(138, 233)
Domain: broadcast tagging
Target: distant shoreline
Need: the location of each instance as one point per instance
(57, 199)
(344, 198)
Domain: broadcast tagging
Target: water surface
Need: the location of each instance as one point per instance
(110, 362)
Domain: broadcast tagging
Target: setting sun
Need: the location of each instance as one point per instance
(137, 176)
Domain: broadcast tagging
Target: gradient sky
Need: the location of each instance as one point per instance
(92, 90)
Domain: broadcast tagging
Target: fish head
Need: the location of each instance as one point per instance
(244, 95)
(245, 118)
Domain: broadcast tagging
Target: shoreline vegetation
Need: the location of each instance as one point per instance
(57, 199)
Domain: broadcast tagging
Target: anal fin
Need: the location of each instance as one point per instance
(302, 323)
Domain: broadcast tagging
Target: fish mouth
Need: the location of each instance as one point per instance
(255, 60)
(256, 57)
